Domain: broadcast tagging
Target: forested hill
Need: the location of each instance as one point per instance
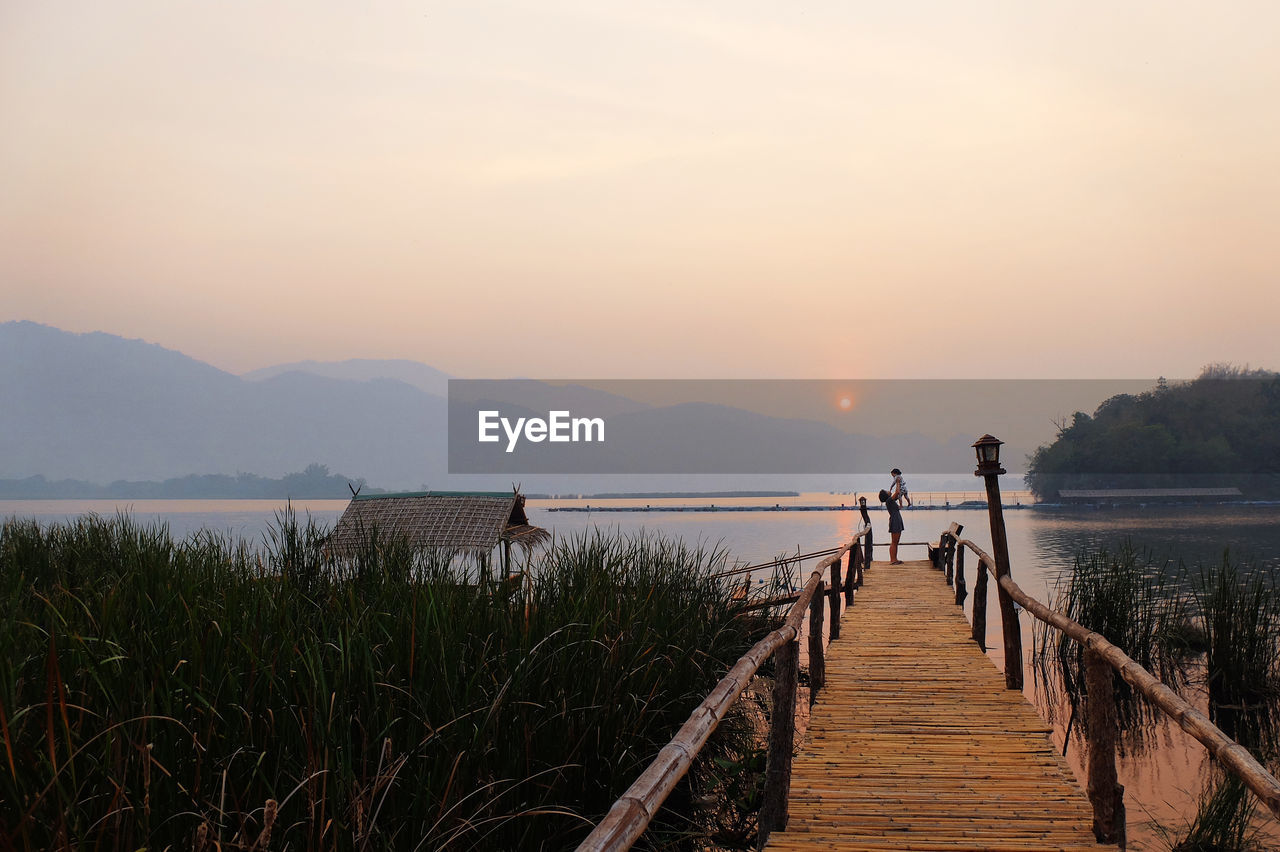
(1219, 430)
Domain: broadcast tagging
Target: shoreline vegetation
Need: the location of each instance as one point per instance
(205, 693)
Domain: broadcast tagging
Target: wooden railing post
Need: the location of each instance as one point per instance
(817, 662)
(782, 734)
(1012, 629)
(951, 558)
(852, 577)
(980, 607)
(961, 591)
(1105, 792)
(866, 520)
(835, 599)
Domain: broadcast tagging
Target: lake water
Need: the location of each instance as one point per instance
(1042, 545)
(1042, 541)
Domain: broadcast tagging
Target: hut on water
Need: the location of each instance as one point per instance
(470, 524)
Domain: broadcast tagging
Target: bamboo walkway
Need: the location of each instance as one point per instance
(915, 744)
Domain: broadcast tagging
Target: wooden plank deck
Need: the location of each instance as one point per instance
(915, 744)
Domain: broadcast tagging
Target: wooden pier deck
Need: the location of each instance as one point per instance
(916, 744)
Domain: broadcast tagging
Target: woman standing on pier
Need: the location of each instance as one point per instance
(896, 527)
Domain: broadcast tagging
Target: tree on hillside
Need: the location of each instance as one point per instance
(1221, 429)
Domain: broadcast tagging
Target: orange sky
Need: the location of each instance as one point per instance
(721, 189)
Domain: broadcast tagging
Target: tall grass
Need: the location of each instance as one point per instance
(1134, 601)
(1239, 612)
(207, 693)
(1218, 625)
(1223, 821)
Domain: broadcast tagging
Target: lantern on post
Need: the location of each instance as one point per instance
(988, 451)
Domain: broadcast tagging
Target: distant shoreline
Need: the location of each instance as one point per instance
(876, 507)
(663, 495)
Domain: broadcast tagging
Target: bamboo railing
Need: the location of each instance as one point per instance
(1101, 657)
(632, 813)
(776, 563)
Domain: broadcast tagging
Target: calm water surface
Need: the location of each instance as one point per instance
(1042, 542)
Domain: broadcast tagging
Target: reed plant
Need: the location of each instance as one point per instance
(211, 693)
(1239, 612)
(1134, 601)
(1236, 613)
(1217, 625)
(1224, 821)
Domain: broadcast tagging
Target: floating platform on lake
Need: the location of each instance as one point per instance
(971, 504)
(1148, 493)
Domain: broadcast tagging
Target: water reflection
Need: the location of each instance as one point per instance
(1193, 534)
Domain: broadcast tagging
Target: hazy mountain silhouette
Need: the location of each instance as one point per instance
(415, 373)
(101, 408)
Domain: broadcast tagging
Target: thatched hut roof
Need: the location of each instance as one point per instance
(474, 521)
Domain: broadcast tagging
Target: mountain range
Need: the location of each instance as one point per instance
(100, 408)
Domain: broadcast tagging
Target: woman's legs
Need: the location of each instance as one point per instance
(893, 546)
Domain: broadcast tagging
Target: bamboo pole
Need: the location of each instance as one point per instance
(817, 662)
(1012, 630)
(867, 539)
(855, 565)
(772, 602)
(980, 606)
(1105, 793)
(795, 616)
(834, 596)
(630, 815)
(782, 730)
(773, 563)
(953, 543)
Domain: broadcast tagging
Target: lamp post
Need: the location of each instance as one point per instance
(988, 451)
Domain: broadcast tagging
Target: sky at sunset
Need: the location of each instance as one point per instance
(650, 190)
